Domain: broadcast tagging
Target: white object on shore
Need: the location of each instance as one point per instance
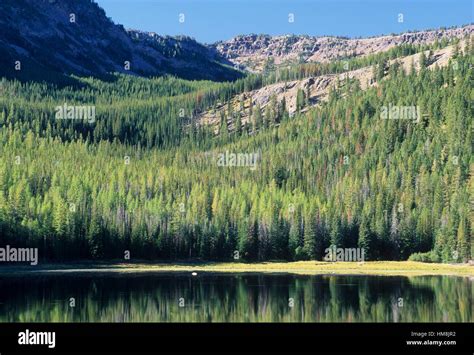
(194, 274)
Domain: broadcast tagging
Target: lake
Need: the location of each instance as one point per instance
(211, 297)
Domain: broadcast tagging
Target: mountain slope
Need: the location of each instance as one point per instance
(339, 174)
(51, 38)
(253, 51)
(316, 88)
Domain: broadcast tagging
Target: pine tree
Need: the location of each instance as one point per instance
(310, 235)
(464, 247)
(367, 240)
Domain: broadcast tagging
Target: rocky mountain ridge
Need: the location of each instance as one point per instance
(253, 51)
(47, 38)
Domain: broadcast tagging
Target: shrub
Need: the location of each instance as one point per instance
(427, 257)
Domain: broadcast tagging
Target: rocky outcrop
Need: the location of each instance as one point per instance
(317, 88)
(62, 37)
(253, 51)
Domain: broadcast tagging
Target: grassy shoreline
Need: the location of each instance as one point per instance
(385, 268)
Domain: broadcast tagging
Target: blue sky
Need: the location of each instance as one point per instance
(212, 20)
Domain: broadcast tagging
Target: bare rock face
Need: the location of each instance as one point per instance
(62, 37)
(253, 51)
(57, 37)
(317, 88)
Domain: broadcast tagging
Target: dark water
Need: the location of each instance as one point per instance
(178, 297)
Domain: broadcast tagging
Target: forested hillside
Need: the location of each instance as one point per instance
(143, 176)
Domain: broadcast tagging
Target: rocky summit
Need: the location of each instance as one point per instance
(253, 51)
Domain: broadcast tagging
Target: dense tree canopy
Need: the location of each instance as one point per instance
(144, 178)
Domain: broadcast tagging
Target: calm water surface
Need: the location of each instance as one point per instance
(210, 297)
